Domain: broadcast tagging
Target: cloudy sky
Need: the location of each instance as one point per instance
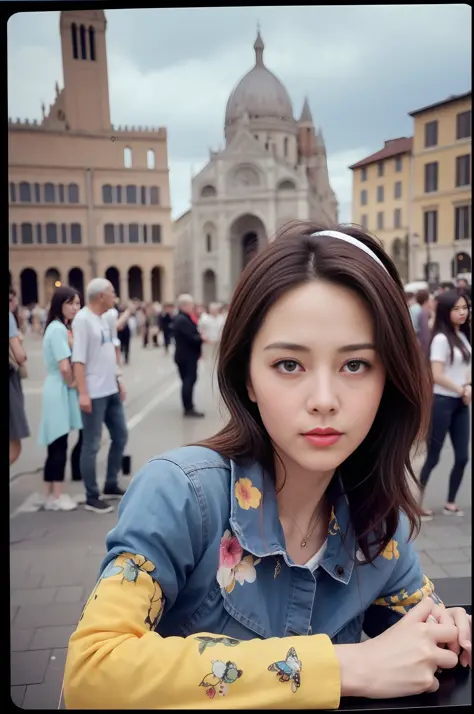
(363, 68)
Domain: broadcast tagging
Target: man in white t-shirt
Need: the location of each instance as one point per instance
(210, 326)
(101, 394)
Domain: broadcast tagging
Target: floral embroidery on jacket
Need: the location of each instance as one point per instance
(333, 524)
(288, 670)
(156, 607)
(391, 551)
(129, 566)
(247, 495)
(232, 566)
(403, 601)
(205, 642)
(222, 674)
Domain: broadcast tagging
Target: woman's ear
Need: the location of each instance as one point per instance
(250, 392)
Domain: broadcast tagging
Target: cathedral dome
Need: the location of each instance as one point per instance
(259, 94)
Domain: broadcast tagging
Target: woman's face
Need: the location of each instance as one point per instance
(70, 309)
(460, 312)
(327, 376)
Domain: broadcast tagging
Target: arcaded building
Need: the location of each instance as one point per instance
(86, 198)
(272, 170)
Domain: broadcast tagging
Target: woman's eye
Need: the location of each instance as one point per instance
(286, 366)
(356, 366)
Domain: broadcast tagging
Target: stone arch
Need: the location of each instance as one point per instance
(247, 235)
(51, 279)
(209, 287)
(208, 191)
(112, 274)
(286, 185)
(156, 277)
(135, 283)
(76, 281)
(28, 286)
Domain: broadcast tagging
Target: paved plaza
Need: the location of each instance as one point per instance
(55, 557)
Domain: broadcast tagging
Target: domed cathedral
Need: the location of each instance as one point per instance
(272, 170)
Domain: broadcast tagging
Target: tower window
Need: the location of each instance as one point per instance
(131, 193)
(49, 193)
(285, 146)
(127, 157)
(92, 43)
(106, 194)
(150, 159)
(73, 193)
(154, 195)
(74, 40)
(82, 34)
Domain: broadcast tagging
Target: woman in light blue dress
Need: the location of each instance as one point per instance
(60, 409)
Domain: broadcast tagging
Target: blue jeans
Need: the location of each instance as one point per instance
(108, 411)
(449, 414)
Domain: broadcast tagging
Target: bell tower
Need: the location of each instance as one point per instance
(86, 83)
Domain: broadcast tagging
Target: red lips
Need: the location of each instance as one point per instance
(323, 432)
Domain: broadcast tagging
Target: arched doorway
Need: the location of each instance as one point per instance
(156, 284)
(461, 264)
(112, 274)
(29, 286)
(247, 236)
(209, 287)
(76, 281)
(51, 279)
(135, 283)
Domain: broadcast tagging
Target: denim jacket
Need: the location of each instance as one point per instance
(197, 590)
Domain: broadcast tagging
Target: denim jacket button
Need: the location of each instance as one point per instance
(339, 570)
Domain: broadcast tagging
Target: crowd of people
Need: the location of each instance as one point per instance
(83, 348)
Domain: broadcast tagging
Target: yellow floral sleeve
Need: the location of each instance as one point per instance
(117, 661)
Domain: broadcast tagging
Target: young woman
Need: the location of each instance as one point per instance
(60, 409)
(450, 355)
(19, 428)
(293, 520)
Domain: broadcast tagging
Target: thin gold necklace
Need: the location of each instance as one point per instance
(306, 537)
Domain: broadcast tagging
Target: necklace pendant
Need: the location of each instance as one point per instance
(303, 544)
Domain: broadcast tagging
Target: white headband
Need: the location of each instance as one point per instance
(353, 241)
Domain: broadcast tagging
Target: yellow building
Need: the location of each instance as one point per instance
(441, 189)
(86, 198)
(381, 196)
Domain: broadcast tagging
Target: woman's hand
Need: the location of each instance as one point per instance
(462, 646)
(403, 660)
(467, 394)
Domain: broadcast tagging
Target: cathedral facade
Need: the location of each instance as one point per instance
(272, 170)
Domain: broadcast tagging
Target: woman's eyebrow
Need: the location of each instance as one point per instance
(303, 348)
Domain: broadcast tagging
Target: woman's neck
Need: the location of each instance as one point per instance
(300, 493)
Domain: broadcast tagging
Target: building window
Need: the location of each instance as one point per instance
(63, 233)
(76, 233)
(463, 170)
(363, 173)
(156, 234)
(143, 195)
(379, 194)
(380, 220)
(363, 197)
(380, 168)
(61, 193)
(74, 40)
(49, 193)
(131, 193)
(431, 134)
(133, 233)
(109, 233)
(398, 164)
(14, 234)
(25, 192)
(73, 193)
(397, 189)
(431, 177)
(51, 233)
(145, 234)
(462, 222)
(127, 157)
(397, 218)
(150, 159)
(39, 233)
(121, 233)
(92, 43)
(154, 195)
(285, 146)
(208, 243)
(119, 194)
(463, 125)
(106, 194)
(363, 220)
(82, 35)
(430, 227)
(37, 193)
(12, 192)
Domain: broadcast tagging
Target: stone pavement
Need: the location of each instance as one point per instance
(55, 557)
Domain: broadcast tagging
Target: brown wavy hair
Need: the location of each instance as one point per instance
(377, 475)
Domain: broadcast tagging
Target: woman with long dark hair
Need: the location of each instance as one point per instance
(295, 519)
(450, 355)
(19, 428)
(60, 408)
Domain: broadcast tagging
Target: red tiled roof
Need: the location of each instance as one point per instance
(393, 147)
(452, 98)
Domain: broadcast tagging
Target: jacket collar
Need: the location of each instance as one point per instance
(255, 521)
